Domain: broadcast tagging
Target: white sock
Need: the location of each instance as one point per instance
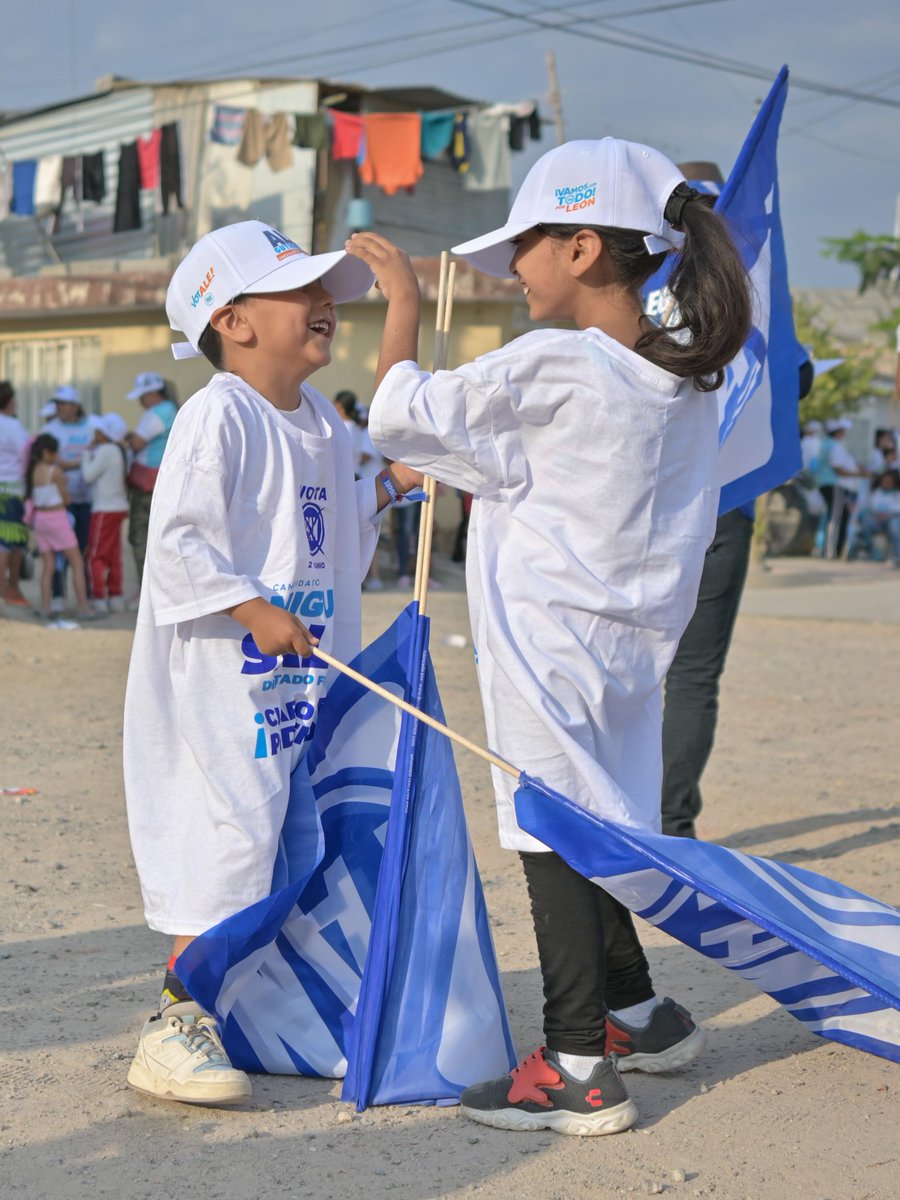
(579, 1066)
(636, 1015)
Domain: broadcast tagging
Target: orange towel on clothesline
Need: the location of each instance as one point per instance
(393, 151)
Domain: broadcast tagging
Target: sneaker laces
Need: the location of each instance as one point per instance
(201, 1039)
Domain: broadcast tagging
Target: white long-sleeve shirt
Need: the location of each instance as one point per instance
(594, 476)
(103, 468)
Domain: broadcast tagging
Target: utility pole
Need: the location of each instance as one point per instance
(555, 100)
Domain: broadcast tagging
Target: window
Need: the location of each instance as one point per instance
(36, 367)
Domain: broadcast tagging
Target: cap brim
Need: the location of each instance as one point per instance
(342, 274)
(492, 252)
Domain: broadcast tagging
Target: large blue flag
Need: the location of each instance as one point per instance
(828, 954)
(372, 958)
(759, 438)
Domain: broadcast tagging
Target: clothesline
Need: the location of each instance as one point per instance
(39, 187)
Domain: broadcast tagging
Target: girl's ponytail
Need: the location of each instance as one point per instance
(711, 290)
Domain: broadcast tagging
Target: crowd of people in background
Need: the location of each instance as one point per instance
(68, 491)
(860, 502)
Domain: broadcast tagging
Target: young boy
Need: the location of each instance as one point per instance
(258, 542)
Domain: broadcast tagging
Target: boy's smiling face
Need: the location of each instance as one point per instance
(294, 328)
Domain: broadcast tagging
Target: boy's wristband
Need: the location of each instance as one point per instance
(394, 496)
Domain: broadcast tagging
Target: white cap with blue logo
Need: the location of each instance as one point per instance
(624, 185)
(244, 259)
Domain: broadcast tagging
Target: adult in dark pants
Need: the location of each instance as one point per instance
(691, 706)
(147, 443)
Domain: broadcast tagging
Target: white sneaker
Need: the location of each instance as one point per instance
(117, 604)
(181, 1057)
(100, 607)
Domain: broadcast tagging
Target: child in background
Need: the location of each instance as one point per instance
(255, 518)
(104, 469)
(592, 455)
(45, 488)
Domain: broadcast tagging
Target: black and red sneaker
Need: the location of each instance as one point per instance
(539, 1094)
(669, 1040)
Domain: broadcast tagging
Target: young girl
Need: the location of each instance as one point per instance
(45, 487)
(591, 453)
(104, 469)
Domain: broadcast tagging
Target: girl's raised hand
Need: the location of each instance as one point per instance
(393, 272)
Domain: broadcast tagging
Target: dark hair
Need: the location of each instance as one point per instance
(709, 284)
(879, 434)
(891, 473)
(43, 441)
(209, 342)
(7, 394)
(349, 403)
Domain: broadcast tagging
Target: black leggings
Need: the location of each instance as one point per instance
(591, 959)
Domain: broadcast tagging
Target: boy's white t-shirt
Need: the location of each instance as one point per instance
(595, 485)
(249, 501)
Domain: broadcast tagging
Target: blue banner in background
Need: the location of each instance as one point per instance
(759, 436)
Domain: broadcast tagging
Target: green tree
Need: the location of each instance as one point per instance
(876, 256)
(842, 389)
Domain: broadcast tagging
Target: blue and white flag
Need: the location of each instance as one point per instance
(828, 954)
(759, 438)
(372, 958)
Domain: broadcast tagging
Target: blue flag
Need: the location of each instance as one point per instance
(759, 438)
(372, 958)
(828, 954)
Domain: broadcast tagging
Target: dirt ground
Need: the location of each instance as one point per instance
(804, 770)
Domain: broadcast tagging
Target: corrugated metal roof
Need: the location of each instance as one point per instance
(101, 123)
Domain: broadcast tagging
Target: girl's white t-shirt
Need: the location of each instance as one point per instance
(595, 485)
(249, 502)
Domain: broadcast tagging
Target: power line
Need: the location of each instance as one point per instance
(625, 40)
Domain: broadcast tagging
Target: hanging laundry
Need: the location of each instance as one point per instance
(24, 173)
(253, 141)
(460, 144)
(534, 124)
(48, 185)
(93, 177)
(148, 160)
(170, 166)
(128, 202)
(490, 160)
(228, 125)
(437, 130)
(68, 181)
(393, 151)
(279, 153)
(310, 131)
(347, 132)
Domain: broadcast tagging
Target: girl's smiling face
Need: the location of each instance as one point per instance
(539, 264)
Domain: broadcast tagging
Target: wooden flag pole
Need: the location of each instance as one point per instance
(441, 347)
(487, 755)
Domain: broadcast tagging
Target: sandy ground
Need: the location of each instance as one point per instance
(804, 770)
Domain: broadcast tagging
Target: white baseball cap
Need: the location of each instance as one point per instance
(112, 425)
(147, 381)
(608, 182)
(247, 258)
(838, 424)
(67, 394)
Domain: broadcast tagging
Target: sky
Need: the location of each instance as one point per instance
(839, 158)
